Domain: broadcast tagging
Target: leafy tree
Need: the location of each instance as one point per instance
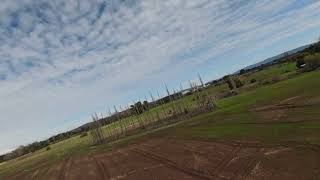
(238, 82)
(229, 81)
(242, 71)
(138, 107)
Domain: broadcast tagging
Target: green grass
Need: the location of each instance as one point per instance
(71, 146)
(233, 120)
(280, 70)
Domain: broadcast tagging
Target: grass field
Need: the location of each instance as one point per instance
(280, 70)
(236, 118)
(285, 111)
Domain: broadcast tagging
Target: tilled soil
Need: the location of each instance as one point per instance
(157, 158)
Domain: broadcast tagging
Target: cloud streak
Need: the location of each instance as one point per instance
(63, 59)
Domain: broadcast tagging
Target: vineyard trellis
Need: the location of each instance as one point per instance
(141, 116)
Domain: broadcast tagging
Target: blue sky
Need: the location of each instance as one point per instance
(62, 60)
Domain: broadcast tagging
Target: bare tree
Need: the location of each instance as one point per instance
(200, 79)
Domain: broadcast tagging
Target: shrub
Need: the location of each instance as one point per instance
(253, 80)
(312, 62)
(300, 63)
(230, 93)
(48, 148)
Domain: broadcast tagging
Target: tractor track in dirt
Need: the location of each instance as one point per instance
(172, 164)
(246, 166)
(183, 159)
(66, 164)
(225, 161)
(243, 170)
(103, 170)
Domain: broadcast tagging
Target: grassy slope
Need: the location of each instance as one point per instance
(71, 146)
(236, 120)
(280, 70)
(229, 122)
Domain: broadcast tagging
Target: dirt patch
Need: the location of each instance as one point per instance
(157, 158)
(278, 112)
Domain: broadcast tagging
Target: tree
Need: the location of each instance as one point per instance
(139, 108)
(261, 67)
(242, 71)
(229, 81)
(145, 105)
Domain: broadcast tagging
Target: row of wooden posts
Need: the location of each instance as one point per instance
(121, 123)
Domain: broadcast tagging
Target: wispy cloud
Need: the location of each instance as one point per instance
(62, 59)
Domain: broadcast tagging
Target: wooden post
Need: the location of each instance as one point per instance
(140, 121)
(122, 120)
(148, 115)
(118, 120)
(185, 105)
(170, 99)
(102, 117)
(153, 101)
(162, 105)
(110, 124)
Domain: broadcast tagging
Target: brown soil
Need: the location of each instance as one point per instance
(156, 158)
(278, 112)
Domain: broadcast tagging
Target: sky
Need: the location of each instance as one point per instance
(63, 60)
